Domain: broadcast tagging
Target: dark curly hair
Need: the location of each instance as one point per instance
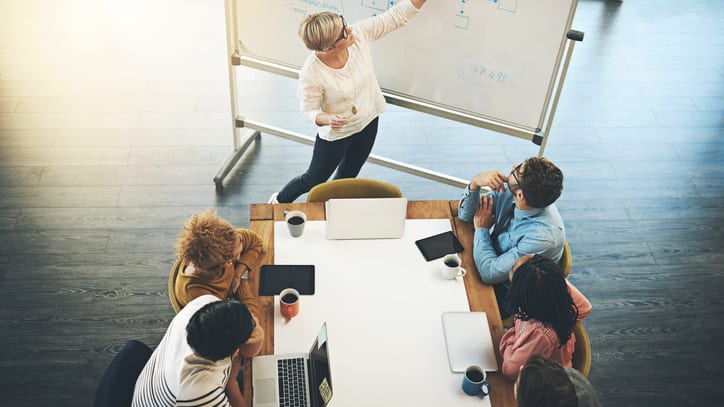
(217, 329)
(539, 291)
(541, 182)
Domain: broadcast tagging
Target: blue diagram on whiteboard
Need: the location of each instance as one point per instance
(462, 21)
(380, 5)
(507, 5)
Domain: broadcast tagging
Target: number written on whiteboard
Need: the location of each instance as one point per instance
(481, 73)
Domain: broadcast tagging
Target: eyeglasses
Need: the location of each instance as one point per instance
(343, 35)
(344, 29)
(513, 174)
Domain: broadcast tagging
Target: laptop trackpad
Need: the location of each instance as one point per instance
(265, 390)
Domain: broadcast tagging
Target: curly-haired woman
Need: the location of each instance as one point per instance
(215, 258)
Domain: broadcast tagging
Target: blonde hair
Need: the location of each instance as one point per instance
(206, 240)
(320, 31)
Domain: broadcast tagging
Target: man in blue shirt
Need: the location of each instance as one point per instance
(516, 217)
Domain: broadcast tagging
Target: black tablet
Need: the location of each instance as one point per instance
(439, 245)
(276, 277)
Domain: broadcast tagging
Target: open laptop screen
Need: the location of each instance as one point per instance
(320, 378)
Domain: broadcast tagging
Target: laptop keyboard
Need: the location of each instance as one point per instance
(292, 384)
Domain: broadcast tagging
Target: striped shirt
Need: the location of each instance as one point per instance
(175, 376)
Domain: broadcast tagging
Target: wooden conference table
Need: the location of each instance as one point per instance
(481, 297)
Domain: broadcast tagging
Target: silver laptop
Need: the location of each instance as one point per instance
(294, 379)
(366, 218)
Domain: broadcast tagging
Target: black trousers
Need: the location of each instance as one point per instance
(346, 156)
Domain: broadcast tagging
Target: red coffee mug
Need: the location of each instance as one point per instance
(289, 303)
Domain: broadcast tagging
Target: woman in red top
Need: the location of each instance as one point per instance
(545, 308)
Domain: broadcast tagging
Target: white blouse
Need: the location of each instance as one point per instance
(323, 89)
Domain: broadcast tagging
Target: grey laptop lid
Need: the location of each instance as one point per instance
(320, 376)
(366, 218)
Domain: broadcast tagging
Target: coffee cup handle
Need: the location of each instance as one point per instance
(463, 272)
(484, 388)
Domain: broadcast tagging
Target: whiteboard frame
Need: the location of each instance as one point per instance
(236, 58)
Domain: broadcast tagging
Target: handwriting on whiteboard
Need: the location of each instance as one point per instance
(482, 74)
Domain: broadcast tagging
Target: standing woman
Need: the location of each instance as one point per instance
(339, 93)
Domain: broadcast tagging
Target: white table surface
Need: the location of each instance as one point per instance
(383, 304)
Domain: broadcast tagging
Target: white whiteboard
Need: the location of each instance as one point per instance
(493, 59)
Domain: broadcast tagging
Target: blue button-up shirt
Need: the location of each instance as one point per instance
(534, 231)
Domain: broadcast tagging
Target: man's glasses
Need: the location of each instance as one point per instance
(513, 174)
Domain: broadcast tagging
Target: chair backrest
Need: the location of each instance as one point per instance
(582, 352)
(115, 388)
(353, 188)
(171, 288)
(566, 260)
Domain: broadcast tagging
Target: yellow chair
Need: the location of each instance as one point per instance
(171, 285)
(582, 352)
(565, 262)
(353, 188)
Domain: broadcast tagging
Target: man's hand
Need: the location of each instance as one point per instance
(484, 215)
(494, 180)
(521, 260)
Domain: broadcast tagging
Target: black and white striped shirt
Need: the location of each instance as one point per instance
(175, 376)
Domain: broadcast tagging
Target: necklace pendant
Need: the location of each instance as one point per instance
(354, 109)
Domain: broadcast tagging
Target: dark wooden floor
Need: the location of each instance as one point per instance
(114, 117)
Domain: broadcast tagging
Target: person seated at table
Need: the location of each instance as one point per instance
(215, 258)
(198, 359)
(543, 382)
(516, 217)
(545, 307)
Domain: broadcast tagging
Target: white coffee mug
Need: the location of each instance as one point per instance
(451, 267)
(295, 222)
